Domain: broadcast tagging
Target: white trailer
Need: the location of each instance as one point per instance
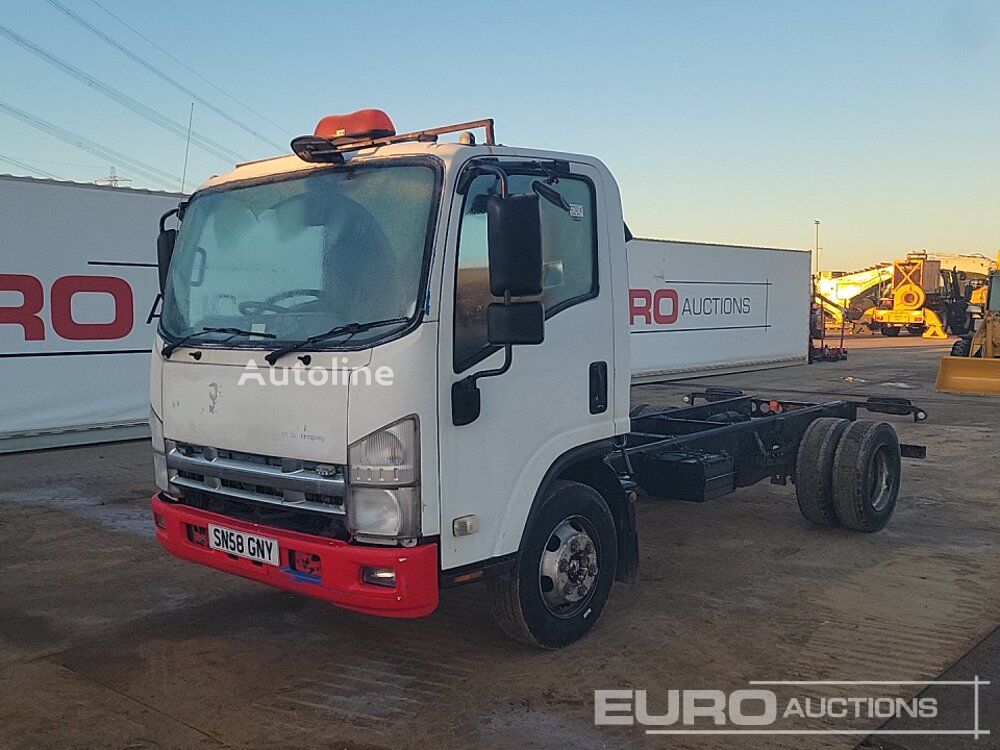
(492, 283)
(78, 295)
(699, 309)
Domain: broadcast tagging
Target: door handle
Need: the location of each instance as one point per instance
(598, 387)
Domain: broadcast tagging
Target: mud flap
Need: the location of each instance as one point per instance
(628, 544)
(968, 375)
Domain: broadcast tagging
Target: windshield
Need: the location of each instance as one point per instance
(296, 257)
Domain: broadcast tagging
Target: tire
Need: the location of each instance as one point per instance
(547, 617)
(814, 470)
(916, 330)
(961, 348)
(890, 331)
(866, 473)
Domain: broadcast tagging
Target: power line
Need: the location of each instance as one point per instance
(32, 160)
(25, 166)
(141, 168)
(190, 69)
(156, 71)
(200, 141)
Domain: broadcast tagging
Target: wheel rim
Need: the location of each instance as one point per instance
(568, 569)
(880, 484)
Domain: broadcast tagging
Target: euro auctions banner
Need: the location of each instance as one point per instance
(701, 309)
(78, 304)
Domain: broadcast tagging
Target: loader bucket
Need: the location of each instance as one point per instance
(968, 375)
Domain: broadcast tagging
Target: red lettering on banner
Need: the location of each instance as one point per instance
(660, 307)
(63, 291)
(661, 296)
(640, 302)
(26, 314)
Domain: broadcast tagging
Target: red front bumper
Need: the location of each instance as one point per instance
(339, 582)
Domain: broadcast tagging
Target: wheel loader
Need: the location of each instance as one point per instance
(974, 363)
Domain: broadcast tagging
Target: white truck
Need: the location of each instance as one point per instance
(387, 365)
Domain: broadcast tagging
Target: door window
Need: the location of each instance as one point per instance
(569, 255)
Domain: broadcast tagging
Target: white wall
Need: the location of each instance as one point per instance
(75, 377)
(701, 309)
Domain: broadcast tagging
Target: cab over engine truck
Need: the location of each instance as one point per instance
(386, 365)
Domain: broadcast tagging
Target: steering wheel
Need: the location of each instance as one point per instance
(317, 294)
(250, 308)
(253, 307)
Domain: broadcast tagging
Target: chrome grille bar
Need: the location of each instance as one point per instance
(208, 472)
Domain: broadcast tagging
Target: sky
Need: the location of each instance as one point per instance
(734, 122)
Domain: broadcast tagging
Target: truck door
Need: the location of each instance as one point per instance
(556, 395)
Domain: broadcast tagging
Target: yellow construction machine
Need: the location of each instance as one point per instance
(912, 280)
(928, 295)
(847, 299)
(974, 363)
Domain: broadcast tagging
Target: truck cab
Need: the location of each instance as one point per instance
(386, 365)
(377, 356)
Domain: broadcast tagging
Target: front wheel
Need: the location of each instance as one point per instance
(962, 347)
(564, 571)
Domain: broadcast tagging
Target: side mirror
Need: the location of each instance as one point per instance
(164, 250)
(165, 242)
(515, 323)
(514, 231)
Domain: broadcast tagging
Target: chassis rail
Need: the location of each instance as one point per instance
(726, 439)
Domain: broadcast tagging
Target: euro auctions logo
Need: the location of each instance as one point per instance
(700, 306)
(860, 708)
(740, 708)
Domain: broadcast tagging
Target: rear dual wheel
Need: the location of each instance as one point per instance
(866, 473)
(848, 473)
(890, 331)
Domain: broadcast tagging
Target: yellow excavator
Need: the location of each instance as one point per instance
(974, 363)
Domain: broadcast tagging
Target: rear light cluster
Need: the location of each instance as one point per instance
(197, 535)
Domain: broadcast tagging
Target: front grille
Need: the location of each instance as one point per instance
(304, 522)
(272, 481)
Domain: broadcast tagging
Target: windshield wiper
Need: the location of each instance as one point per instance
(350, 328)
(169, 349)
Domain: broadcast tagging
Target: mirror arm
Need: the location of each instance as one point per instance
(167, 215)
(507, 359)
(465, 393)
(495, 170)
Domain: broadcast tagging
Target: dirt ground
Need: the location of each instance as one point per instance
(105, 642)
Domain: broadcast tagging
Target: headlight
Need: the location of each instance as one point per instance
(387, 458)
(383, 487)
